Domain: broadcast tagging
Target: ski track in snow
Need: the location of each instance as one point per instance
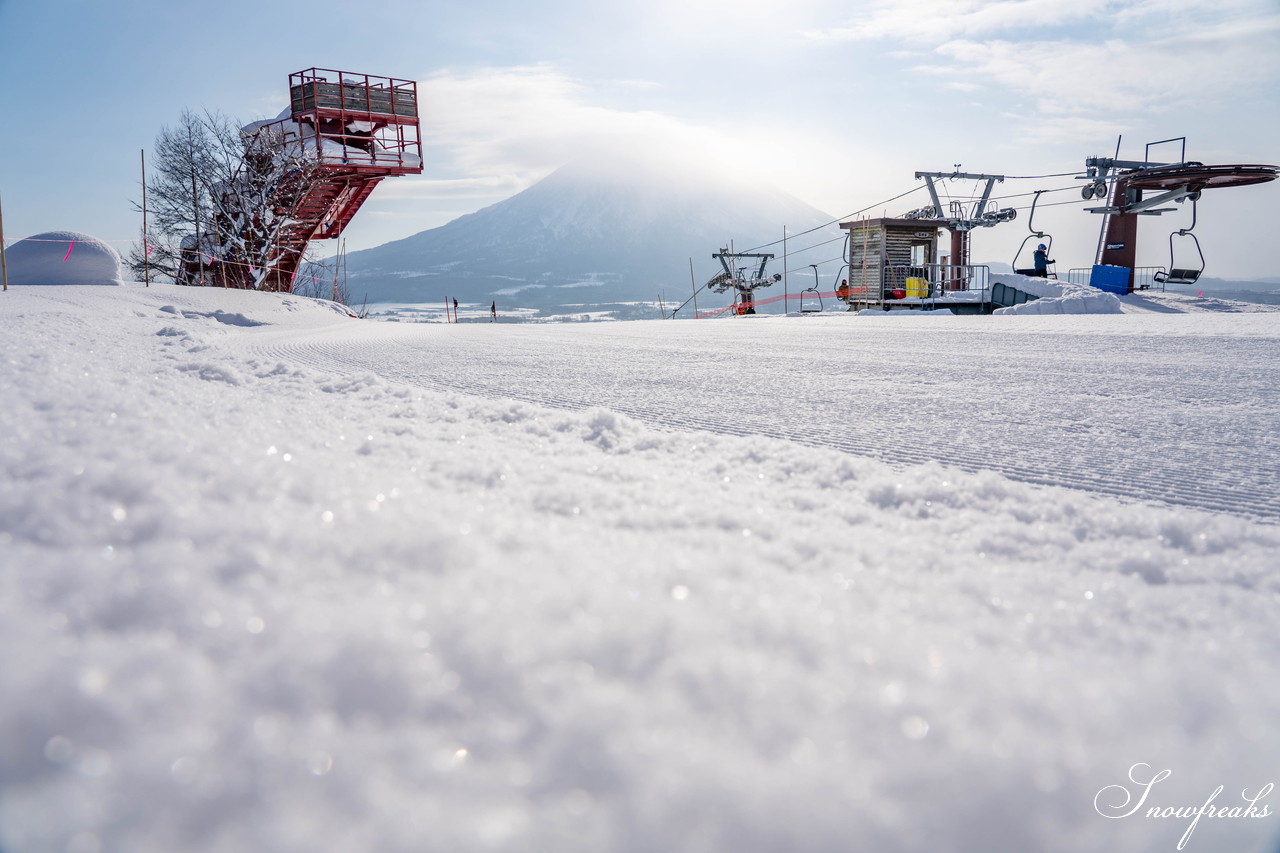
(285, 604)
(905, 391)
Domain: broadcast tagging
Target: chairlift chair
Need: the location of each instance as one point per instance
(808, 308)
(1039, 235)
(1177, 274)
(814, 291)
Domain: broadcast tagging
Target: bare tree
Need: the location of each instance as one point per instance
(226, 200)
(257, 210)
(184, 170)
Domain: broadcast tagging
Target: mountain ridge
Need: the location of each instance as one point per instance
(588, 232)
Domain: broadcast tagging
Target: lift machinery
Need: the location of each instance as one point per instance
(1131, 181)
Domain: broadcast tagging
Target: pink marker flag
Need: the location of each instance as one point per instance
(69, 248)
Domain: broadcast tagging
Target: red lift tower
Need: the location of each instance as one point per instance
(353, 130)
(1172, 182)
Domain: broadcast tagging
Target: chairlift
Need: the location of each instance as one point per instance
(1039, 235)
(1177, 274)
(743, 280)
(809, 309)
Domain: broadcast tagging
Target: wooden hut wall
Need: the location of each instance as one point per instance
(903, 237)
(865, 245)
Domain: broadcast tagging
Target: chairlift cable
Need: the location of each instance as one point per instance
(860, 211)
(794, 252)
(1024, 195)
(1037, 177)
(840, 219)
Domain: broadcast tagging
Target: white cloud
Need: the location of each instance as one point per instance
(924, 23)
(526, 121)
(521, 123)
(1167, 58)
(479, 187)
(1086, 81)
(641, 85)
(932, 21)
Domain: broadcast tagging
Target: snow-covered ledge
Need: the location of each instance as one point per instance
(1057, 297)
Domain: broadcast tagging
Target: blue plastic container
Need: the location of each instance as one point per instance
(1110, 278)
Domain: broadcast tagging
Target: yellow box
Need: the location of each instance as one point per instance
(917, 287)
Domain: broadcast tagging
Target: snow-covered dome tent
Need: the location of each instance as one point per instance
(62, 257)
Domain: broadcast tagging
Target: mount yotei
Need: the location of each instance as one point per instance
(593, 232)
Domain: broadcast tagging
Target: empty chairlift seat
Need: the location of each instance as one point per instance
(1177, 276)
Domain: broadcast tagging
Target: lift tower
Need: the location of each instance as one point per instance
(960, 221)
(1173, 182)
(743, 280)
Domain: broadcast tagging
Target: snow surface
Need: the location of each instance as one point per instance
(277, 579)
(1059, 297)
(62, 257)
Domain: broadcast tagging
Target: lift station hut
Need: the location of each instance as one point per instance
(889, 259)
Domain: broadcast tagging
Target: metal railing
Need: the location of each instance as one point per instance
(349, 92)
(960, 278)
(393, 148)
(937, 281)
(1144, 278)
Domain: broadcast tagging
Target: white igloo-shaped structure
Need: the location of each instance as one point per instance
(62, 257)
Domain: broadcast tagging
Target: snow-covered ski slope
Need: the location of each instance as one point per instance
(277, 579)
(1156, 407)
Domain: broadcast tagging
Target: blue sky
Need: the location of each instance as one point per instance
(837, 102)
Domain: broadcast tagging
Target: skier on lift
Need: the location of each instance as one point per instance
(1042, 261)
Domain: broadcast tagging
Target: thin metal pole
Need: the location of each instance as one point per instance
(693, 283)
(146, 251)
(195, 206)
(337, 267)
(4, 266)
(786, 300)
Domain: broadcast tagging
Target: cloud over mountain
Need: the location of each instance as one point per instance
(606, 228)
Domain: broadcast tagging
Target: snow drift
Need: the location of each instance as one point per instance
(62, 257)
(1058, 297)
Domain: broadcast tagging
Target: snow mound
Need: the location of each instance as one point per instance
(63, 257)
(1159, 302)
(1058, 297)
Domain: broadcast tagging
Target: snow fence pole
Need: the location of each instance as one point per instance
(786, 300)
(146, 254)
(694, 284)
(4, 266)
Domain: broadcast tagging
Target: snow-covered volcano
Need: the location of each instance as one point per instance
(599, 230)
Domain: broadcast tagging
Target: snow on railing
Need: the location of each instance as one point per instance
(361, 149)
(1144, 278)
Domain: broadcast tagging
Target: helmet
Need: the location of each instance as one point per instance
(1042, 246)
